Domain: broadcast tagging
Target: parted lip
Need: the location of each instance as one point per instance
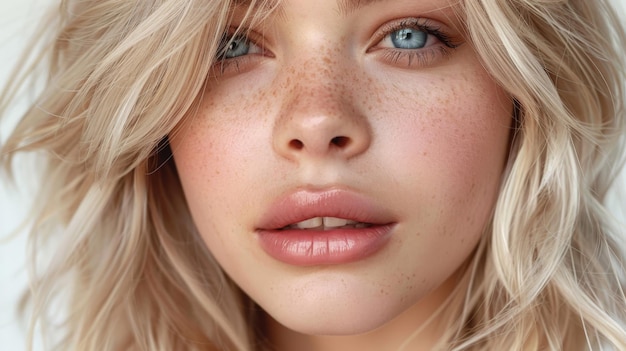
(303, 204)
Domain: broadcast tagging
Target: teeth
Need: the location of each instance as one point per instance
(310, 223)
(336, 222)
(328, 222)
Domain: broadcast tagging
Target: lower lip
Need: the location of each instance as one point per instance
(324, 247)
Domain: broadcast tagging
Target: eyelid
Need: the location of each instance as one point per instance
(250, 35)
(443, 47)
(223, 66)
(437, 29)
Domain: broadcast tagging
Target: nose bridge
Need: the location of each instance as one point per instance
(318, 82)
(320, 115)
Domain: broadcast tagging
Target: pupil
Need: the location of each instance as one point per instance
(409, 38)
(236, 47)
(405, 34)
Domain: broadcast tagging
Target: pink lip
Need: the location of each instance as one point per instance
(304, 247)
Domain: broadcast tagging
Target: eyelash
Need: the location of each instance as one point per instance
(415, 57)
(222, 63)
(409, 57)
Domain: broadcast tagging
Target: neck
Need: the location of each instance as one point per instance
(421, 327)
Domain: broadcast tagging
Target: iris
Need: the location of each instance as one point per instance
(409, 38)
(237, 46)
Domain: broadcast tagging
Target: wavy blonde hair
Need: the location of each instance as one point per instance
(548, 274)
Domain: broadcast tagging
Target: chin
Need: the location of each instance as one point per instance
(335, 323)
(335, 304)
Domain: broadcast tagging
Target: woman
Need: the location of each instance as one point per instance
(362, 175)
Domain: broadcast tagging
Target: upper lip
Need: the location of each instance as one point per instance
(303, 204)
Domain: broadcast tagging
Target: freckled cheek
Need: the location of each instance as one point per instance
(450, 138)
(216, 146)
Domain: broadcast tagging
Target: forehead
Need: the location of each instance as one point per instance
(250, 13)
(345, 7)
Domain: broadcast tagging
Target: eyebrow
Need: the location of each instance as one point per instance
(346, 7)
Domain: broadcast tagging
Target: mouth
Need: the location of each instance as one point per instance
(327, 223)
(307, 228)
(324, 210)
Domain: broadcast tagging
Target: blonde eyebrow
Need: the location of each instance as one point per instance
(346, 7)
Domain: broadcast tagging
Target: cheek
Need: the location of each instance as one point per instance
(451, 133)
(219, 143)
(450, 145)
(203, 168)
(218, 159)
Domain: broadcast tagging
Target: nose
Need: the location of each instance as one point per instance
(320, 118)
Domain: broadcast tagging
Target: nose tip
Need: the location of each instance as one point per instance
(329, 135)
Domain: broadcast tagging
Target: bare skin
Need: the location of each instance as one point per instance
(386, 103)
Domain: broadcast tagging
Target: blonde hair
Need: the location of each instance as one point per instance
(548, 274)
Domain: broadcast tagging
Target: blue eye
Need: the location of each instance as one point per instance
(408, 38)
(236, 46)
(412, 43)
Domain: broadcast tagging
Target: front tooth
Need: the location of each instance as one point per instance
(336, 222)
(310, 223)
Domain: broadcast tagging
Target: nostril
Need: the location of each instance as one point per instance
(340, 141)
(296, 144)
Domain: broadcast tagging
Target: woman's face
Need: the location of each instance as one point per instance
(345, 160)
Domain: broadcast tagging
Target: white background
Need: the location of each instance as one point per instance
(17, 19)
